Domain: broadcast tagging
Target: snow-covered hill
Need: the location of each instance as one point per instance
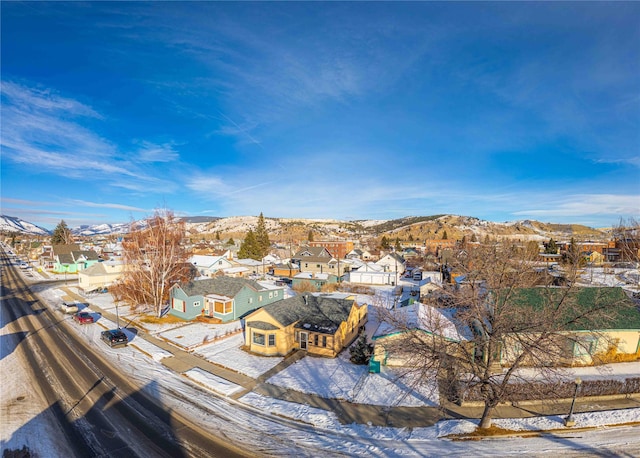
(13, 224)
(101, 229)
(407, 228)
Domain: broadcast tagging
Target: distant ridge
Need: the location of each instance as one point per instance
(410, 228)
(14, 224)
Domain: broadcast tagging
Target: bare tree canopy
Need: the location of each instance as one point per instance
(501, 314)
(155, 259)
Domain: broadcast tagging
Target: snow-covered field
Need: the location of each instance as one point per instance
(26, 423)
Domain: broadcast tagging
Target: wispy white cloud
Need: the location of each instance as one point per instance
(587, 205)
(47, 132)
(152, 152)
(84, 203)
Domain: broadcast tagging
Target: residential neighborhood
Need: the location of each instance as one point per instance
(319, 229)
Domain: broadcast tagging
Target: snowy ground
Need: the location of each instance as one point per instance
(336, 378)
(623, 278)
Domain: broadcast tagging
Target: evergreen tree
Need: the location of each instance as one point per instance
(310, 237)
(250, 249)
(551, 247)
(411, 237)
(384, 243)
(218, 235)
(231, 241)
(474, 238)
(445, 236)
(361, 351)
(397, 245)
(61, 235)
(262, 238)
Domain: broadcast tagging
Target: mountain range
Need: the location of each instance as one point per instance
(289, 229)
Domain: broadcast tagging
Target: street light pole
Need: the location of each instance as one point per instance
(569, 421)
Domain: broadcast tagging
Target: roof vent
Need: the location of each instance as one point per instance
(304, 296)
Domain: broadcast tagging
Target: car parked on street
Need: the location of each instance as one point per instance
(114, 337)
(83, 317)
(69, 307)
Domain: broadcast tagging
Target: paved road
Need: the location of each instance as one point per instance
(100, 412)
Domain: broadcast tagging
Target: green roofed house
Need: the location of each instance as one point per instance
(224, 298)
(617, 334)
(319, 324)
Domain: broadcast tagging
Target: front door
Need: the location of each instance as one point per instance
(303, 340)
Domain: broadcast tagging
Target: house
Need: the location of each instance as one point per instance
(337, 248)
(371, 273)
(253, 267)
(410, 253)
(224, 298)
(393, 262)
(317, 280)
(322, 325)
(585, 344)
(285, 270)
(437, 245)
(358, 253)
(317, 260)
(582, 345)
(100, 275)
(392, 344)
(208, 266)
(71, 259)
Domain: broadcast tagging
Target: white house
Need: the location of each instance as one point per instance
(208, 265)
(393, 262)
(100, 275)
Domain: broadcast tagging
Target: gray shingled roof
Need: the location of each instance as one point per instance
(65, 249)
(90, 255)
(262, 325)
(224, 286)
(321, 314)
(65, 258)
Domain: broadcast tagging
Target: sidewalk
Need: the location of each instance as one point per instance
(374, 415)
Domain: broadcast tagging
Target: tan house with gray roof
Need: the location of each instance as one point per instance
(322, 325)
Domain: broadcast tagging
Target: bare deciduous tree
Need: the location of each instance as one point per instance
(154, 259)
(502, 315)
(627, 237)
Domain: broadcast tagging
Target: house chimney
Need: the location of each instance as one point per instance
(304, 297)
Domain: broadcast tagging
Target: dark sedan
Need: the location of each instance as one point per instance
(114, 337)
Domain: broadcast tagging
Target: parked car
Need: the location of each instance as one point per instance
(83, 317)
(283, 281)
(69, 307)
(114, 337)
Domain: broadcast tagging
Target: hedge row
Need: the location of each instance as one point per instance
(545, 391)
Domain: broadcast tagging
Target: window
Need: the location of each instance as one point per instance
(324, 341)
(585, 346)
(196, 303)
(315, 339)
(223, 307)
(260, 298)
(258, 338)
(251, 300)
(272, 340)
(275, 293)
(306, 265)
(296, 336)
(220, 262)
(270, 295)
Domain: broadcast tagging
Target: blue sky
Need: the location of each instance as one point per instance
(503, 111)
